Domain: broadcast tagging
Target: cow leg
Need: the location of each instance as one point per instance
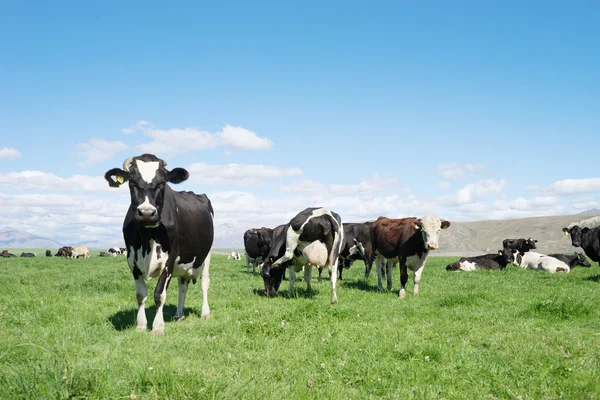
(308, 276)
(417, 278)
(141, 293)
(205, 285)
(292, 279)
(333, 277)
(320, 272)
(254, 264)
(183, 287)
(248, 264)
(403, 278)
(160, 296)
(378, 262)
(388, 274)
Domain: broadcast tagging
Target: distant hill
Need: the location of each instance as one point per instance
(14, 238)
(592, 211)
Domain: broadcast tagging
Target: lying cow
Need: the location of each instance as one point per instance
(406, 241)
(6, 254)
(105, 254)
(114, 251)
(586, 238)
(356, 246)
(234, 255)
(27, 255)
(313, 238)
(487, 261)
(521, 245)
(48, 253)
(532, 260)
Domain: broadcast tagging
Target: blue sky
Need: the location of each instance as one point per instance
(471, 110)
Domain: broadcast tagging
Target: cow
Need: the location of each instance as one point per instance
(257, 243)
(586, 238)
(522, 245)
(356, 246)
(114, 251)
(313, 238)
(105, 254)
(123, 250)
(487, 261)
(27, 255)
(6, 254)
(80, 251)
(565, 263)
(406, 241)
(234, 255)
(48, 253)
(65, 251)
(167, 234)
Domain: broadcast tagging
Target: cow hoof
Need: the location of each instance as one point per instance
(389, 288)
(402, 293)
(179, 318)
(334, 300)
(159, 331)
(141, 329)
(205, 316)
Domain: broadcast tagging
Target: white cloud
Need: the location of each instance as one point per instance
(9, 153)
(455, 171)
(138, 126)
(176, 141)
(98, 150)
(585, 203)
(40, 180)
(375, 184)
(241, 174)
(575, 186)
(475, 191)
(443, 185)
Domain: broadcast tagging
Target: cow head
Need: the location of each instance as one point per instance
(147, 178)
(530, 243)
(507, 255)
(272, 278)
(575, 232)
(430, 227)
(582, 260)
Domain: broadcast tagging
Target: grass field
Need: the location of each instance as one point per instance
(67, 331)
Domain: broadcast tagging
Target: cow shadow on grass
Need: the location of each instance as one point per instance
(126, 319)
(360, 284)
(593, 278)
(286, 294)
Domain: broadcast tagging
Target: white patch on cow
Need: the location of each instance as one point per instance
(147, 169)
(358, 248)
(552, 265)
(186, 269)
(431, 227)
(467, 266)
(146, 206)
(151, 264)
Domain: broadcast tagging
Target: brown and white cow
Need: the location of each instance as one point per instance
(406, 241)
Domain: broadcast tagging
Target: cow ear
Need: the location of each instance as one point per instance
(566, 231)
(177, 175)
(445, 224)
(116, 177)
(584, 230)
(417, 224)
(499, 252)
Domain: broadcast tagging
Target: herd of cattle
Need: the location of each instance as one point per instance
(169, 234)
(71, 252)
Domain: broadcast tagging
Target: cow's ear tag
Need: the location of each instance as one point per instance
(566, 233)
(499, 253)
(120, 179)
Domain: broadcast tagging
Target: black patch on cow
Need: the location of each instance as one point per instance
(136, 272)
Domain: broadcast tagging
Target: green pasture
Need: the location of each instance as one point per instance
(67, 331)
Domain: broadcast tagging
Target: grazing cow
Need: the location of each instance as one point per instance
(487, 261)
(123, 250)
(522, 245)
(356, 246)
(114, 251)
(105, 254)
(257, 243)
(48, 253)
(407, 241)
(65, 251)
(6, 254)
(586, 238)
(313, 238)
(80, 251)
(27, 255)
(234, 255)
(167, 234)
(565, 263)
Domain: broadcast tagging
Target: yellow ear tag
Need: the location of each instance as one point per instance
(120, 179)
(499, 253)
(566, 233)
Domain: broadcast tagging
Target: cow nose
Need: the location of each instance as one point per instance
(432, 246)
(146, 212)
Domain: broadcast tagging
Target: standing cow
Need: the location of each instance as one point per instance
(406, 241)
(313, 238)
(167, 234)
(586, 238)
(356, 246)
(257, 243)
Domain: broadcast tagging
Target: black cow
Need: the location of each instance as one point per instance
(27, 255)
(568, 258)
(105, 254)
(257, 244)
(48, 253)
(313, 238)
(6, 254)
(356, 246)
(487, 261)
(65, 251)
(522, 245)
(586, 238)
(167, 234)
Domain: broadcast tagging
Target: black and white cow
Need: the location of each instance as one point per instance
(487, 261)
(257, 243)
(234, 255)
(6, 254)
(522, 245)
(27, 255)
(313, 238)
(65, 251)
(114, 251)
(356, 246)
(167, 234)
(563, 263)
(586, 238)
